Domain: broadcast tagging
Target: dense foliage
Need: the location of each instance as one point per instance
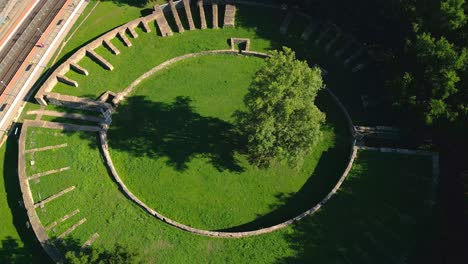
(100, 256)
(282, 121)
(420, 48)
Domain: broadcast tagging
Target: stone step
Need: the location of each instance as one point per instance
(45, 148)
(188, 12)
(132, 32)
(72, 228)
(63, 219)
(53, 197)
(202, 14)
(215, 14)
(145, 26)
(79, 69)
(229, 15)
(90, 241)
(162, 22)
(175, 14)
(111, 46)
(124, 38)
(99, 59)
(66, 80)
(38, 175)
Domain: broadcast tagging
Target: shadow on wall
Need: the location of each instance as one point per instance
(175, 131)
(10, 250)
(378, 216)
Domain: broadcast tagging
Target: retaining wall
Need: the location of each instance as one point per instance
(135, 199)
(28, 200)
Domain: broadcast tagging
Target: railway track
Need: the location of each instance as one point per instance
(18, 48)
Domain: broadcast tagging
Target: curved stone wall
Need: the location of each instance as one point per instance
(71, 62)
(134, 198)
(28, 200)
(45, 96)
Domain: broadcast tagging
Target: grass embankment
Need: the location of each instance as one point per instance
(379, 214)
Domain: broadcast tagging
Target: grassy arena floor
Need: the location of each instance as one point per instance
(379, 215)
(174, 145)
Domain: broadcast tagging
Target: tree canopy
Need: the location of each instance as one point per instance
(282, 121)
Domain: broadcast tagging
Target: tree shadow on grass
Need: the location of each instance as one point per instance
(173, 130)
(326, 174)
(378, 216)
(74, 252)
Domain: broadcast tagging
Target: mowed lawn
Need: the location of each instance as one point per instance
(379, 215)
(176, 147)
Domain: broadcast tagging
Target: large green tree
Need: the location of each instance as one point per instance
(282, 121)
(434, 86)
(453, 13)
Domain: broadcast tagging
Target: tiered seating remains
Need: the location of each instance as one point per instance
(111, 46)
(229, 15)
(145, 26)
(79, 69)
(66, 80)
(53, 197)
(72, 228)
(202, 14)
(132, 32)
(175, 14)
(287, 20)
(162, 22)
(90, 240)
(215, 13)
(63, 219)
(41, 174)
(188, 12)
(99, 59)
(124, 38)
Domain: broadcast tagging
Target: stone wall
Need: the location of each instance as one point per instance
(44, 96)
(76, 102)
(28, 200)
(49, 84)
(108, 160)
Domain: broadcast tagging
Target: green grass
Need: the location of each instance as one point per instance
(379, 215)
(151, 50)
(176, 148)
(17, 243)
